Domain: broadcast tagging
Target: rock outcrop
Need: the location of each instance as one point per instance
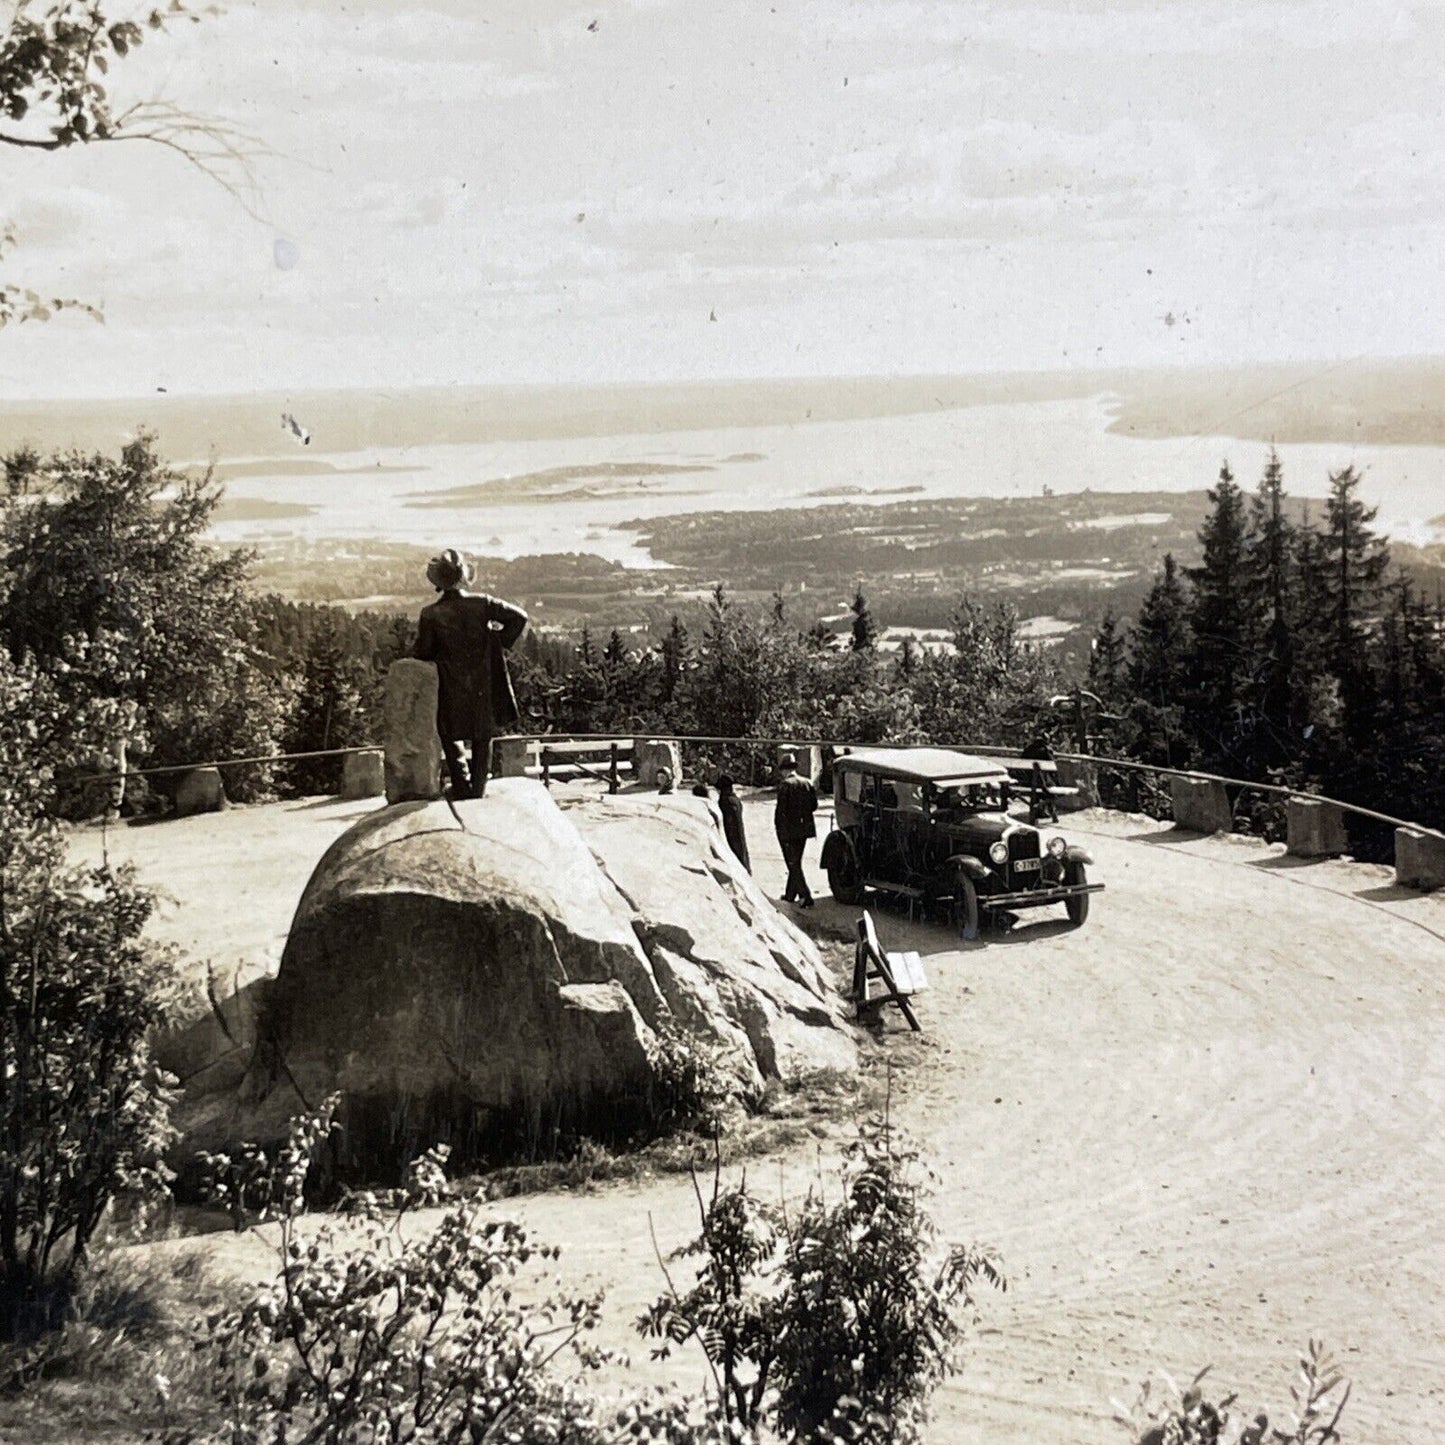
(727, 962)
(471, 973)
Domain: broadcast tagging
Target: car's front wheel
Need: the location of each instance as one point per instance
(1076, 875)
(966, 903)
(845, 882)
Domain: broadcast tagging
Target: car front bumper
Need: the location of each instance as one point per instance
(1037, 897)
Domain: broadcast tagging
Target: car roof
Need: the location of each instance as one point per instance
(923, 765)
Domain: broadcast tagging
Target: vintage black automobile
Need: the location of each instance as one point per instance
(933, 826)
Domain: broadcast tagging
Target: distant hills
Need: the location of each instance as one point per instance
(1395, 402)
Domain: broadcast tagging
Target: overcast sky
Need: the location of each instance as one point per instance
(497, 192)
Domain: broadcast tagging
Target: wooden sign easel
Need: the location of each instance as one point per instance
(900, 974)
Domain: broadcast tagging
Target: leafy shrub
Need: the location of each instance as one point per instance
(1187, 1417)
(731, 1311)
(372, 1334)
(869, 1324)
(695, 1083)
(83, 1109)
(848, 1332)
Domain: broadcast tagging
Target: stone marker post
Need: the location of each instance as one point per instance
(363, 775)
(1201, 805)
(413, 749)
(1419, 859)
(200, 791)
(510, 757)
(651, 754)
(1315, 829)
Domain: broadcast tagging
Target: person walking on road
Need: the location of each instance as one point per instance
(793, 821)
(467, 635)
(731, 808)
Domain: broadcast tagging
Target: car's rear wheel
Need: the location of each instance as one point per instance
(1075, 875)
(966, 902)
(845, 882)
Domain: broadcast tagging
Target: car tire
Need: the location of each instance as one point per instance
(966, 901)
(844, 881)
(1076, 874)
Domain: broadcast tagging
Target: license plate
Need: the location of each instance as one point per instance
(1027, 865)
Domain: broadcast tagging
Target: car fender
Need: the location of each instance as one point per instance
(837, 846)
(974, 867)
(1075, 854)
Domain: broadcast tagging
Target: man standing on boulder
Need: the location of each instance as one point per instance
(467, 635)
(793, 820)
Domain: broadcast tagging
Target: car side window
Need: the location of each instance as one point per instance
(909, 797)
(853, 786)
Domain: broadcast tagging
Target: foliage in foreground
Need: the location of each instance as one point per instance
(1188, 1417)
(378, 1331)
(83, 1109)
(835, 1323)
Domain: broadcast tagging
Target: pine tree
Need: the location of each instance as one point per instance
(907, 658)
(1108, 658)
(1273, 577)
(865, 632)
(615, 653)
(1159, 649)
(674, 655)
(1355, 559)
(1224, 631)
(329, 710)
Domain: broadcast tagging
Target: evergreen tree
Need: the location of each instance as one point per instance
(1224, 619)
(1159, 651)
(674, 658)
(1354, 559)
(1108, 660)
(614, 655)
(329, 710)
(865, 632)
(1272, 576)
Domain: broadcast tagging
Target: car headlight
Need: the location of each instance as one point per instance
(998, 852)
(1057, 846)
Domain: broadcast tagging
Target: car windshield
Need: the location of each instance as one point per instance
(977, 798)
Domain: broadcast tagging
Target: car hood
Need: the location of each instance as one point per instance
(985, 827)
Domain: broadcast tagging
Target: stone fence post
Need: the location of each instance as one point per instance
(1315, 829)
(413, 749)
(1419, 859)
(1201, 805)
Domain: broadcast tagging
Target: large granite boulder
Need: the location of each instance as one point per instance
(470, 973)
(728, 963)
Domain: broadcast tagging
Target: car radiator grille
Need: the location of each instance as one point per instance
(1024, 848)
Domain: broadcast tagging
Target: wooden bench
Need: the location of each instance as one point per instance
(900, 975)
(598, 758)
(1038, 777)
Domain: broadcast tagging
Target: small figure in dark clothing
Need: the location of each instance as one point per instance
(793, 822)
(467, 635)
(731, 808)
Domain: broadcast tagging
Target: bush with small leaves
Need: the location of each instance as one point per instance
(835, 1323)
(1187, 1417)
(380, 1329)
(870, 1318)
(695, 1083)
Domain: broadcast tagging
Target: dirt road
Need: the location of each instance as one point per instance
(1199, 1129)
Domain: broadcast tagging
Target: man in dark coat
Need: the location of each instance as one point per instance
(731, 808)
(793, 821)
(467, 635)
